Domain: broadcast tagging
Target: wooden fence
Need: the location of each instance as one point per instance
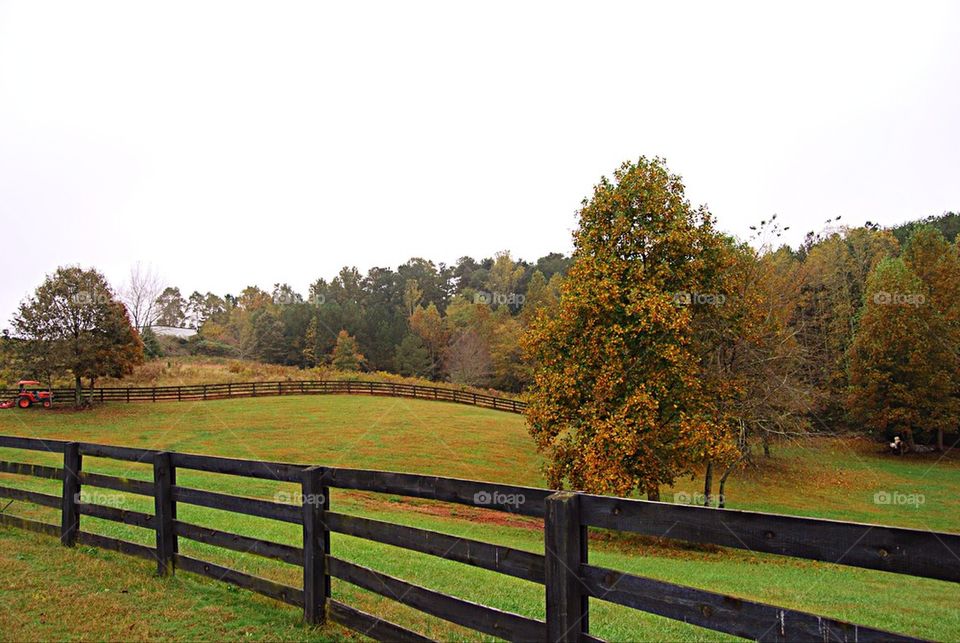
(569, 579)
(263, 389)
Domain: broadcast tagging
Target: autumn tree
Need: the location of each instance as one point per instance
(310, 354)
(618, 402)
(901, 360)
(428, 324)
(833, 279)
(937, 263)
(468, 360)
(346, 356)
(73, 323)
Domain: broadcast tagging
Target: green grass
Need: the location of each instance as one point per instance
(830, 478)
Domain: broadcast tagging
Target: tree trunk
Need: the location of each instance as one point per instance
(908, 439)
(653, 492)
(766, 444)
(78, 391)
(940, 440)
(708, 484)
(721, 500)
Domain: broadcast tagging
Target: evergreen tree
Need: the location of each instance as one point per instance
(346, 356)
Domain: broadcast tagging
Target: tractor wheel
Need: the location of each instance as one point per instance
(47, 404)
(24, 402)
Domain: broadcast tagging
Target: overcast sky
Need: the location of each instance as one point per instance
(237, 143)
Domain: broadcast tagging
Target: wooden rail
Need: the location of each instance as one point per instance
(265, 389)
(569, 580)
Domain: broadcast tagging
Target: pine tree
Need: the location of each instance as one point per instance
(310, 344)
(345, 356)
(412, 357)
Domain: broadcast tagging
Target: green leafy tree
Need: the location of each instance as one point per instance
(412, 357)
(73, 323)
(265, 340)
(171, 308)
(151, 344)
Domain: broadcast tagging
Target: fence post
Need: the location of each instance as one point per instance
(164, 512)
(316, 546)
(70, 518)
(565, 541)
(128, 394)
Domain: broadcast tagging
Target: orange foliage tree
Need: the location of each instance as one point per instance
(619, 402)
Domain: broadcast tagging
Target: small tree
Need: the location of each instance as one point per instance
(431, 328)
(140, 295)
(468, 359)
(346, 356)
(151, 344)
(310, 343)
(412, 357)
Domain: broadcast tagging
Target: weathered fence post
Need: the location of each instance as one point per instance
(566, 548)
(164, 512)
(316, 546)
(70, 518)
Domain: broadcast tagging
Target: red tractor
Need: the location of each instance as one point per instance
(29, 394)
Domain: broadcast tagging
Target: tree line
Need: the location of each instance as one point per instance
(459, 323)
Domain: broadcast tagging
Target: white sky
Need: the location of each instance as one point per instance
(237, 143)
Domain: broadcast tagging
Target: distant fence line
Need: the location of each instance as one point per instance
(264, 389)
(568, 579)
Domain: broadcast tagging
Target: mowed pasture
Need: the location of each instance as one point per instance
(108, 595)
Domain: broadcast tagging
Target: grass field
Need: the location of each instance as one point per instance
(830, 478)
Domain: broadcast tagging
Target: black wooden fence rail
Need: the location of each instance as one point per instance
(569, 580)
(264, 389)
